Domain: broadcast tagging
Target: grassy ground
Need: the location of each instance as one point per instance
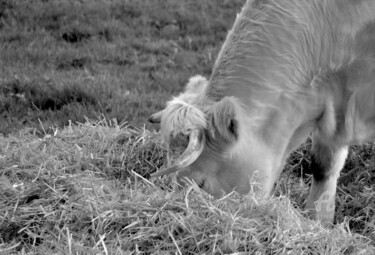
(63, 60)
(84, 190)
(68, 188)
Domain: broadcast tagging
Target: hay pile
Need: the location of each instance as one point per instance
(85, 190)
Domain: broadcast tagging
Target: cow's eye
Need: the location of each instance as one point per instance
(201, 184)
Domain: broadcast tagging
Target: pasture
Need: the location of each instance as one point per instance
(78, 80)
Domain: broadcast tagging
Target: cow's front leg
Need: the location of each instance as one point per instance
(327, 160)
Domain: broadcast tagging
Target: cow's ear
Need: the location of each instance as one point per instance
(360, 117)
(156, 117)
(223, 120)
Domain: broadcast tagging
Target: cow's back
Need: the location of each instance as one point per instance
(284, 45)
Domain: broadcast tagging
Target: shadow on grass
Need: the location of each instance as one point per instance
(29, 104)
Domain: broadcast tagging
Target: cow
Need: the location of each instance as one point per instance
(288, 69)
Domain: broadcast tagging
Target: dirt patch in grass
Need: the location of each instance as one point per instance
(75, 63)
(75, 36)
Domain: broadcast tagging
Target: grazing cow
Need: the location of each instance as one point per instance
(288, 68)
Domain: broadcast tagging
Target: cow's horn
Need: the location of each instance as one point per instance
(192, 152)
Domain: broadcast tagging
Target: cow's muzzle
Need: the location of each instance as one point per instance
(192, 152)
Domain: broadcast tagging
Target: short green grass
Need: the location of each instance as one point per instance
(120, 59)
(75, 180)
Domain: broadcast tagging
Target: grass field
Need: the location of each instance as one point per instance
(63, 60)
(78, 80)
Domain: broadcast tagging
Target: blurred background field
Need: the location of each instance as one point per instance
(122, 59)
(78, 80)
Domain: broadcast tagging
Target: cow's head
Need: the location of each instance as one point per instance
(206, 142)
